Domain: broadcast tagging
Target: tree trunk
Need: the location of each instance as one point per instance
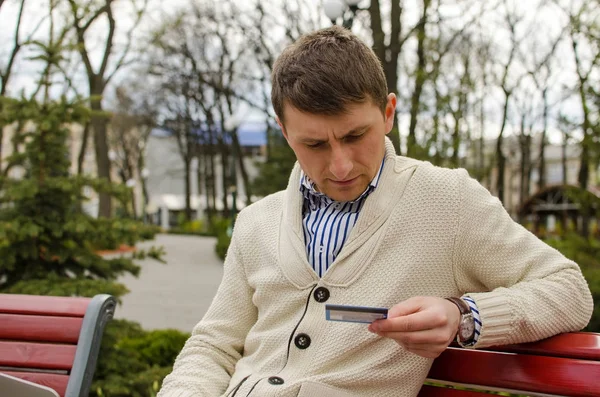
(421, 75)
(388, 54)
(188, 191)
(542, 155)
(437, 158)
(240, 160)
(583, 175)
(83, 148)
(564, 215)
(500, 159)
(99, 123)
(224, 176)
(525, 166)
(212, 182)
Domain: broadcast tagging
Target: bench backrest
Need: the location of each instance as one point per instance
(564, 365)
(53, 341)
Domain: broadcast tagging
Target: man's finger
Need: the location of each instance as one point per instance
(409, 306)
(410, 323)
(420, 339)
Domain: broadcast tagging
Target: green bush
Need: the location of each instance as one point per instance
(586, 253)
(195, 227)
(133, 362)
(122, 231)
(48, 243)
(223, 241)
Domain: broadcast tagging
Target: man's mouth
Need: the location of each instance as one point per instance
(344, 182)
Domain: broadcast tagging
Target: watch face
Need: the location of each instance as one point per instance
(467, 329)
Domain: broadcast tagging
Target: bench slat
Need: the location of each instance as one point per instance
(44, 305)
(40, 328)
(577, 378)
(580, 345)
(432, 391)
(53, 381)
(36, 355)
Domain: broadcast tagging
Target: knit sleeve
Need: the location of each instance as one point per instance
(206, 363)
(525, 290)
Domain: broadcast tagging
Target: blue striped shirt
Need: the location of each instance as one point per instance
(328, 223)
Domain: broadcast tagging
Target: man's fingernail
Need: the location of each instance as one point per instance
(374, 328)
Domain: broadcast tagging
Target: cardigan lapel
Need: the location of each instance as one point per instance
(366, 234)
(365, 237)
(292, 250)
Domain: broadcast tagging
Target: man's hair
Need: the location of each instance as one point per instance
(326, 70)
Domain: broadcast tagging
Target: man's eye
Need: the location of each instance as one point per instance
(353, 138)
(314, 145)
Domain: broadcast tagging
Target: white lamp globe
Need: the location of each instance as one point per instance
(232, 123)
(334, 8)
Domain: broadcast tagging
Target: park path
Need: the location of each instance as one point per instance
(175, 294)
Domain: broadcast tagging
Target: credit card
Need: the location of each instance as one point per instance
(354, 314)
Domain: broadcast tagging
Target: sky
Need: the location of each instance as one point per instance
(546, 25)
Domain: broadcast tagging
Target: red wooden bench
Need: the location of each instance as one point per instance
(53, 341)
(564, 365)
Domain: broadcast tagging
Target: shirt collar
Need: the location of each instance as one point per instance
(308, 187)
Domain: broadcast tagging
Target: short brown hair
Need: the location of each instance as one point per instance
(326, 70)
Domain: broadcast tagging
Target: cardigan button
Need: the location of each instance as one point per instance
(276, 380)
(321, 294)
(302, 341)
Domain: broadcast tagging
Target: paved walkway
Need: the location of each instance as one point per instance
(175, 294)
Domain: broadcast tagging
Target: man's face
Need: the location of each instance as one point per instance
(341, 154)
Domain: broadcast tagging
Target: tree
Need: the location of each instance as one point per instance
(7, 69)
(204, 77)
(84, 16)
(388, 53)
(274, 172)
(47, 243)
(584, 34)
(508, 87)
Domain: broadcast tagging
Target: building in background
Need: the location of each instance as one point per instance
(166, 174)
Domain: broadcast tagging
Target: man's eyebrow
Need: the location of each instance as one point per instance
(360, 128)
(355, 130)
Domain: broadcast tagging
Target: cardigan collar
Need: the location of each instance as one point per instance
(362, 241)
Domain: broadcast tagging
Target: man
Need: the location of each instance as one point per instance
(359, 225)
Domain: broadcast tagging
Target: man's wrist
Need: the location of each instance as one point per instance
(465, 334)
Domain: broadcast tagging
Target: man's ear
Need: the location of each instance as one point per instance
(390, 112)
(282, 128)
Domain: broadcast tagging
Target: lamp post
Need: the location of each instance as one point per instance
(345, 9)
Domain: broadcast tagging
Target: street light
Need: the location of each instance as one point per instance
(345, 9)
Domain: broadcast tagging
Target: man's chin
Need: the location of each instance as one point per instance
(343, 195)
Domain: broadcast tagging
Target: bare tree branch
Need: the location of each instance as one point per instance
(5, 76)
(121, 62)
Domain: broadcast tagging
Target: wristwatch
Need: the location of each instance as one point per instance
(466, 328)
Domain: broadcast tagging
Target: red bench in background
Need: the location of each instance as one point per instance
(53, 341)
(564, 365)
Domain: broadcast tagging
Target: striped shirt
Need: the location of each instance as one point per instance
(328, 223)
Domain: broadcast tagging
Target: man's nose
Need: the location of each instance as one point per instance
(340, 164)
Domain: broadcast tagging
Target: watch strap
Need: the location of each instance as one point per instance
(466, 315)
(463, 306)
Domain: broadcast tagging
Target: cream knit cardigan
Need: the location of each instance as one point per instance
(425, 231)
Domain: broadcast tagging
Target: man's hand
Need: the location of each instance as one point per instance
(423, 325)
